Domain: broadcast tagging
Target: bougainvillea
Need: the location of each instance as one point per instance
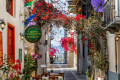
(46, 12)
(37, 56)
(15, 68)
(68, 43)
(52, 51)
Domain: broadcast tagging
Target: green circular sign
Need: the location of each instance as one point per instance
(33, 34)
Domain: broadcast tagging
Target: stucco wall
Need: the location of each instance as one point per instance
(42, 50)
(111, 51)
(15, 20)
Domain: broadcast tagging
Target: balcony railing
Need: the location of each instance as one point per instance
(112, 12)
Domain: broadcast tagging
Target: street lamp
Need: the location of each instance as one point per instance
(2, 24)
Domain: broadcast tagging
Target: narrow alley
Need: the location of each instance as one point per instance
(69, 73)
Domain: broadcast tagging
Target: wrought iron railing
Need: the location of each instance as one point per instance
(110, 12)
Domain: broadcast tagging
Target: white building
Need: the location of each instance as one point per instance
(11, 12)
(112, 24)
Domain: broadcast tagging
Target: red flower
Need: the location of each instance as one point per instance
(66, 22)
(35, 18)
(103, 32)
(18, 72)
(48, 5)
(92, 54)
(39, 4)
(79, 16)
(34, 10)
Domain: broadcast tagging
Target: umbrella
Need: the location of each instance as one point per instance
(30, 3)
(98, 5)
(29, 19)
(27, 1)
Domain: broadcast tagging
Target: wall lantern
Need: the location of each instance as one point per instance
(21, 36)
(2, 24)
(116, 38)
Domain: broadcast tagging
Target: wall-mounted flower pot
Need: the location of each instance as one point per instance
(101, 78)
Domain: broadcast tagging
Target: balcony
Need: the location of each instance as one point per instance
(112, 15)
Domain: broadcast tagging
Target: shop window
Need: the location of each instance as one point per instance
(1, 50)
(11, 43)
(9, 6)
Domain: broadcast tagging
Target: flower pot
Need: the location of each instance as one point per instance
(100, 78)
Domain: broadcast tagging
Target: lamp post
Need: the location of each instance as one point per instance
(2, 24)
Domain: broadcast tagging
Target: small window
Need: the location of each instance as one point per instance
(9, 6)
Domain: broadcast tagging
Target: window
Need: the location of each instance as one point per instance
(9, 6)
(11, 43)
(1, 50)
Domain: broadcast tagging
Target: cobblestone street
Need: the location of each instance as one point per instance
(69, 73)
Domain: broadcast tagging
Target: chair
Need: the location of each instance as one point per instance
(53, 78)
(37, 77)
(46, 74)
(62, 74)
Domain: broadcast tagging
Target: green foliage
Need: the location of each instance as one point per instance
(99, 61)
(89, 71)
(5, 68)
(29, 66)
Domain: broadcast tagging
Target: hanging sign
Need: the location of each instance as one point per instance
(1, 50)
(33, 34)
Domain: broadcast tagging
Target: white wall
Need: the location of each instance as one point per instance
(15, 20)
(111, 51)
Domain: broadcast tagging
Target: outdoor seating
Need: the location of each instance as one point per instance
(49, 76)
(53, 78)
(37, 77)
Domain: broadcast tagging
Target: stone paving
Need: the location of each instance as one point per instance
(69, 73)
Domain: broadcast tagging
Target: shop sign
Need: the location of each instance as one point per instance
(33, 34)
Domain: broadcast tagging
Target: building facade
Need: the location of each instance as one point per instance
(112, 24)
(11, 43)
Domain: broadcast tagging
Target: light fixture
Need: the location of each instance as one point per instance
(21, 36)
(116, 38)
(2, 24)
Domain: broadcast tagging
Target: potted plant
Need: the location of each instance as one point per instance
(99, 63)
(51, 70)
(29, 66)
(89, 72)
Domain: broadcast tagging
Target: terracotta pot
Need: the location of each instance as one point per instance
(100, 78)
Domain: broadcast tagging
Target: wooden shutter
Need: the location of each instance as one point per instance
(9, 6)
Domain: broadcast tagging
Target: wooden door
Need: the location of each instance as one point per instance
(11, 43)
